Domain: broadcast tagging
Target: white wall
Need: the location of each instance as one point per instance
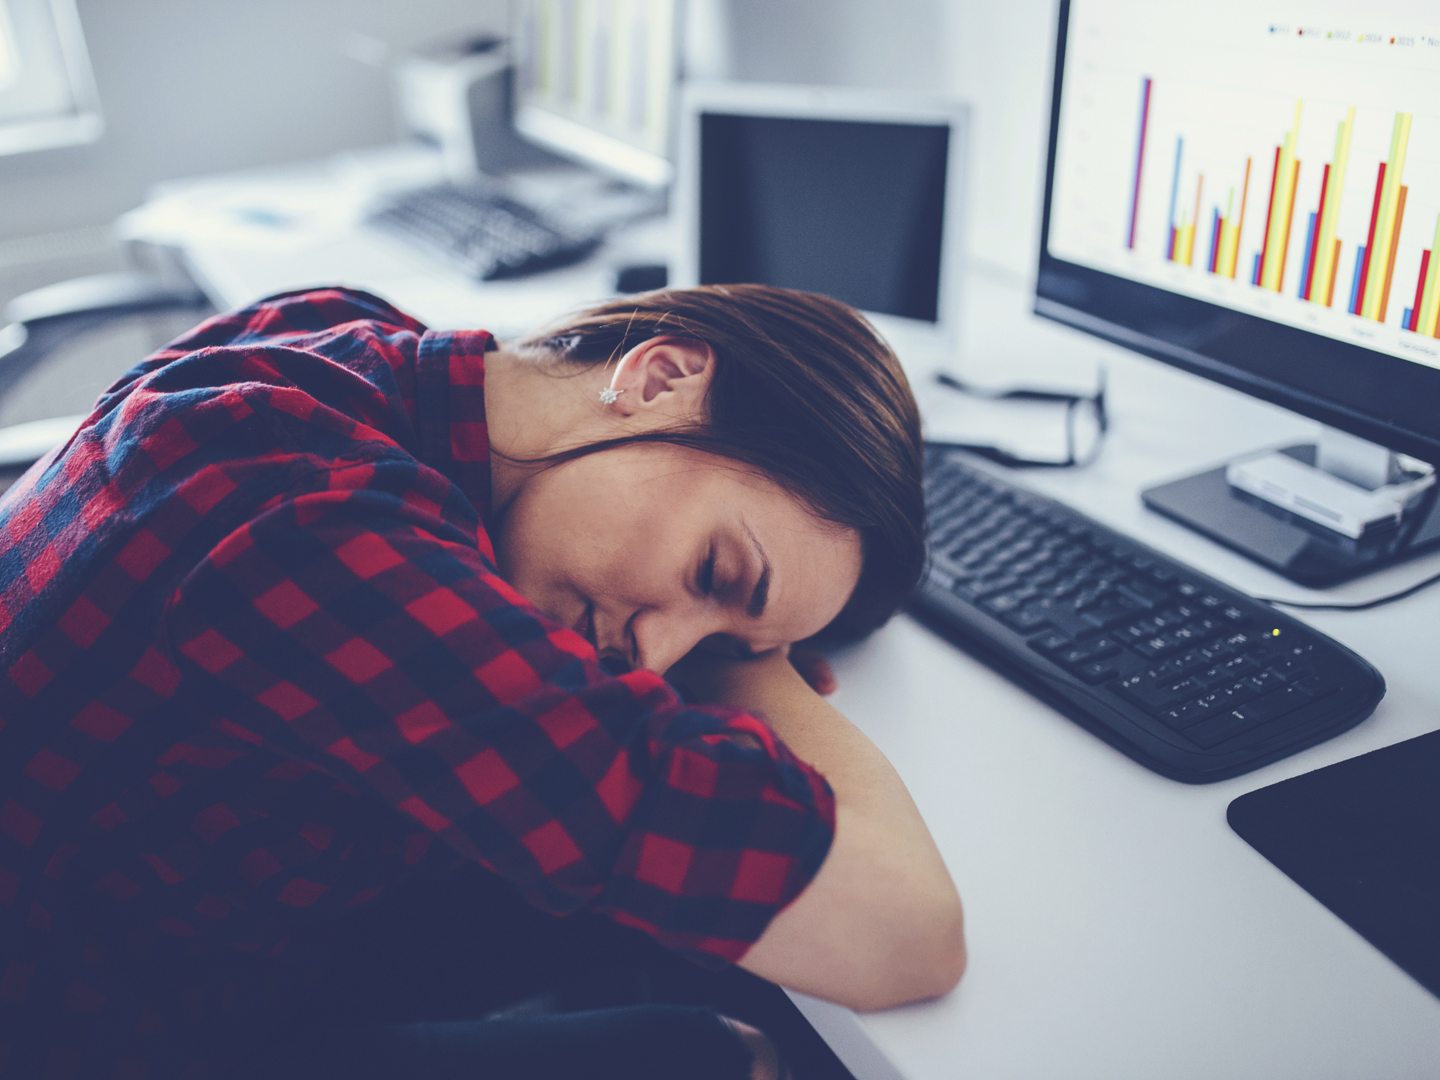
(198, 86)
(999, 58)
(840, 42)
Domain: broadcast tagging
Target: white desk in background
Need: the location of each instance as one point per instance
(1117, 928)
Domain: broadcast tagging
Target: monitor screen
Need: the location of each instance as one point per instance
(852, 209)
(47, 97)
(595, 81)
(1257, 198)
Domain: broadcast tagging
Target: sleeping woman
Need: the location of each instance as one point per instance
(320, 607)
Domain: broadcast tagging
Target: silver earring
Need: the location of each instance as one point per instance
(609, 395)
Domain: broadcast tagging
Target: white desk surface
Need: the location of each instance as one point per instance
(1117, 927)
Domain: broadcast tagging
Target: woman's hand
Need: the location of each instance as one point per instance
(810, 662)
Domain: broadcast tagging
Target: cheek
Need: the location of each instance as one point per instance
(574, 532)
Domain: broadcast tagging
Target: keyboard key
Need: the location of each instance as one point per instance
(1145, 593)
(1316, 686)
(1183, 716)
(1097, 671)
(1227, 697)
(1180, 666)
(1079, 653)
(1026, 620)
(1236, 722)
(1219, 729)
(1277, 703)
(1156, 697)
(1110, 613)
(1006, 602)
(1242, 640)
(1290, 670)
(1265, 682)
(1049, 642)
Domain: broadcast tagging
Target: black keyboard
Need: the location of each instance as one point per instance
(1183, 674)
(481, 232)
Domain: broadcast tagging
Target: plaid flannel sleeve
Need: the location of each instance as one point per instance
(354, 627)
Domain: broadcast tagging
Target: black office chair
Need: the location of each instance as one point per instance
(37, 324)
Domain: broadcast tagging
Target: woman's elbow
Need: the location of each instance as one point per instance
(928, 964)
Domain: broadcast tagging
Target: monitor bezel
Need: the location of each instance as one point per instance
(785, 101)
(83, 122)
(579, 142)
(1245, 352)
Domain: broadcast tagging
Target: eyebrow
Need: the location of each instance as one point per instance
(761, 594)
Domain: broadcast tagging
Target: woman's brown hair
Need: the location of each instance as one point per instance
(804, 391)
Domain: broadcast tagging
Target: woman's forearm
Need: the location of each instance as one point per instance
(881, 922)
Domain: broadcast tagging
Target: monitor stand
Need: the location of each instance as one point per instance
(1299, 548)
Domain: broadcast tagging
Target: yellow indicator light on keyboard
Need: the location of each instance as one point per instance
(1275, 632)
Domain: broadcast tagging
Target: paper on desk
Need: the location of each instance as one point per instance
(246, 214)
(277, 209)
(1034, 430)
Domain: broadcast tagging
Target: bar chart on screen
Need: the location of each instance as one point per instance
(1298, 180)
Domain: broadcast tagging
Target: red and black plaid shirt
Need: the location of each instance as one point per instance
(257, 665)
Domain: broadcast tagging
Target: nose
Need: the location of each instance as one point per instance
(663, 637)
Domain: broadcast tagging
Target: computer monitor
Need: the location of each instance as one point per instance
(47, 94)
(595, 82)
(1257, 201)
(856, 194)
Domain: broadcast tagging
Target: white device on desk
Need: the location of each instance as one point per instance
(458, 99)
(858, 194)
(47, 92)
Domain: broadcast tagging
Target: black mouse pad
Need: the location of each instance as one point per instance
(1363, 838)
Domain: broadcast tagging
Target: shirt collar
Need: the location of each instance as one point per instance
(450, 410)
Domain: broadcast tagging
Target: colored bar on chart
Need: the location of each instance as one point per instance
(1327, 249)
(1215, 239)
(1234, 239)
(1405, 318)
(1185, 249)
(1390, 258)
(1289, 216)
(1387, 223)
(1334, 271)
(1357, 280)
(1312, 248)
(1412, 313)
(1282, 209)
(1364, 270)
(1307, 263)
(1174, 194)
(1139, 159)
(1425, 319)
(1269, 216)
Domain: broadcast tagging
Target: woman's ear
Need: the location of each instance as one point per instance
(665, 377)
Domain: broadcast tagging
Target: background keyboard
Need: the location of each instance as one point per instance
(481, 232)
(1182, 673)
